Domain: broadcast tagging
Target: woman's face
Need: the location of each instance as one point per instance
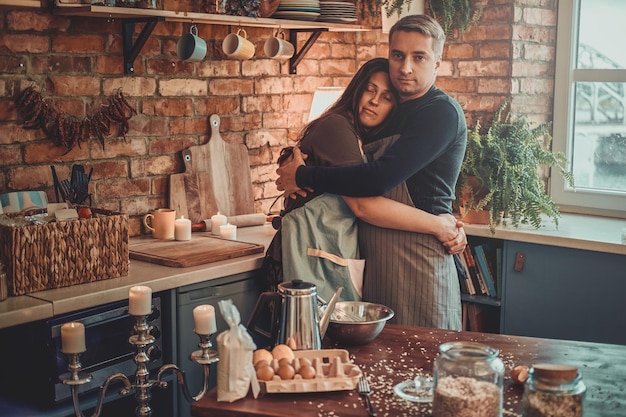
(377, 101)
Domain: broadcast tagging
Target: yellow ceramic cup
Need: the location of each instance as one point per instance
(161, 222)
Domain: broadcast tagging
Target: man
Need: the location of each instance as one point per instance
(416, 161)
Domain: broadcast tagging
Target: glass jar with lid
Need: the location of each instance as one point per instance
(553, 390)
(468, 381)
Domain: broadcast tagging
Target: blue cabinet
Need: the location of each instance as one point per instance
(564, 293)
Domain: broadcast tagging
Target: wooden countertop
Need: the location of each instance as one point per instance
(400, 352)
(49, 303)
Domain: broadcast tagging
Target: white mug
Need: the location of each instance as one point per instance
(190, 46)
(278, 48)
(238, 47)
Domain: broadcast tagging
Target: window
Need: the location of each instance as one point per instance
(590, 105)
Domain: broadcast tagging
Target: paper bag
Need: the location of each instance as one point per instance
(235, 371)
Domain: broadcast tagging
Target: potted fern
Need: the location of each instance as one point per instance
(451, 14)
(500, 172)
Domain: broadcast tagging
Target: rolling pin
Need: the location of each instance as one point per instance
(242, 220)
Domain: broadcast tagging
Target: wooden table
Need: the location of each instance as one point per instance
(401, 352)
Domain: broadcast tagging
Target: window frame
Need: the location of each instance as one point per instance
(565, 79)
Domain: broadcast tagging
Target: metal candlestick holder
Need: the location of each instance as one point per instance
(141, 339)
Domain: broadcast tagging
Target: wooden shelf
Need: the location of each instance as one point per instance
(199, 18)
(151, 17)
(21, 3)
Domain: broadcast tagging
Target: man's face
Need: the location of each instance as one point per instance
(412, 64)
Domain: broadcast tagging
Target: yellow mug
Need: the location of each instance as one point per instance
(161, 222)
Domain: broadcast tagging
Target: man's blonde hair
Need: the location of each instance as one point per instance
(425, 25)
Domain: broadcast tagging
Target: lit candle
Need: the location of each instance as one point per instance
(140, 301)
(182, 229)
(217, 220)
(228, 231)
(204, 319)
(73, 337)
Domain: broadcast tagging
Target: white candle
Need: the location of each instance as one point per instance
(140, 301)
(217, 220)
(182, 229)
(73, 337)
(204, 319)
(228, 231)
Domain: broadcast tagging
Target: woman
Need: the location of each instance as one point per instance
(318, 233)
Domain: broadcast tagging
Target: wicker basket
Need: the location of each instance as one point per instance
(60, 254)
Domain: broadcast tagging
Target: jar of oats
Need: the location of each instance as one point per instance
(553, 390)
(468, 381)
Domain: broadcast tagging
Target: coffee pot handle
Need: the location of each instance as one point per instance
(268, 302)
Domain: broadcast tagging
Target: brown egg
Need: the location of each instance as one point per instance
(286, 372)
(284, 361)
(264, 373)
(261, 363)
(261, 354)
(305, 362)
(307, 372)
(283, 351)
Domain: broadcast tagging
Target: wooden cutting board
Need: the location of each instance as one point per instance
(216, 178)
(203, 248)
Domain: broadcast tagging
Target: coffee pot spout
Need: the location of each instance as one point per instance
(324, 318)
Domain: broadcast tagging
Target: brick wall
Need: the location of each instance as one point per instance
(77, 62)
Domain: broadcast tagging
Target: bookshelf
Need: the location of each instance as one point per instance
(556, 291)
(482, 297)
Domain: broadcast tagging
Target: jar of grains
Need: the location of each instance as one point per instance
(553, 390)
(468, 380)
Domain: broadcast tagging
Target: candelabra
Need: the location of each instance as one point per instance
(142, 384)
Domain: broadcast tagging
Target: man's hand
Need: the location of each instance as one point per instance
(458, 244)
(286, 180)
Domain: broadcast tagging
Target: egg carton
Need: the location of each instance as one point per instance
(334, 372)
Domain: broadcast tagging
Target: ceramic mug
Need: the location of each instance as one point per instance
(236, 46)
(190, 46)
(278, 48)
(161, 222)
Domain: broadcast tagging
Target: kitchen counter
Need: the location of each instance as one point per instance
(575, 231)
(49, 303)
(400, 352)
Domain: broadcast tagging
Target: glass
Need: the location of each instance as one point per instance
(598, 153)
(600, 46)
(468, 380)
(553, 390)
(418, 389)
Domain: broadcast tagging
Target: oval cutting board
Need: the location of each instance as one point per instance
(217, 178)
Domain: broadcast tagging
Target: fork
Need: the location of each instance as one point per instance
(364, 391)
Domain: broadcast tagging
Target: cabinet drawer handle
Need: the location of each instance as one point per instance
(520, 258)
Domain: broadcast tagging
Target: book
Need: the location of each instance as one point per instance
(461, 273)
(471, 265)
(499, 271)
(479, 251)
(464, 275)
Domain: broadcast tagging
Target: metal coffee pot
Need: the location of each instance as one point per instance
(298, 317)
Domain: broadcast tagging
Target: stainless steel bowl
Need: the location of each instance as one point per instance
(357, 322)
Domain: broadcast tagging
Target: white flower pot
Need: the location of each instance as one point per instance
(416, 7)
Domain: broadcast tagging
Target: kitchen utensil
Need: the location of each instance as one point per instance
(277, 47)
(237, 46)
(364, 390)
(357, 322)
(203, 248)
(161, 222)
(217, 178)
(296, 319)
(190, 46)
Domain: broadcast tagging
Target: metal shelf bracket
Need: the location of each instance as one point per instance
(293, 38)
(131, 50)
